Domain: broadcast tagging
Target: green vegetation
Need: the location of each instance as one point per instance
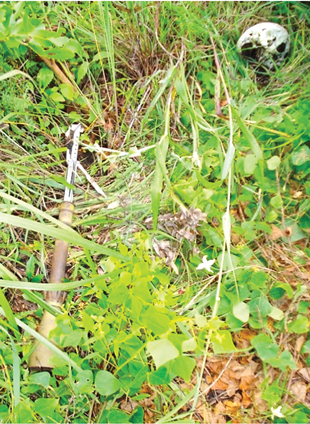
(188, 284)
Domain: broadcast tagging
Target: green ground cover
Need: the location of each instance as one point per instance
(188, 283)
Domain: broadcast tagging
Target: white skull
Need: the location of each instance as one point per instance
(266, 43)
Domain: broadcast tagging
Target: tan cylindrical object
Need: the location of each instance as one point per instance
(40, 357)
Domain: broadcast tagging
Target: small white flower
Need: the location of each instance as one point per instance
(276, 412)
(205, 264)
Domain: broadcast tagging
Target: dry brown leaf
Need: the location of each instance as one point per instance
(232, 388)
(247, 382)
(128, 405)
(243, 338)
(180, 225)
(299, 342)
(164, 249)
(220, 385)
(249, 369)
(217, 366)
(276, 232)
(219, 412)
(299, 389)
(305, 373)
(246, 399)
(223, 102)
(232, 407)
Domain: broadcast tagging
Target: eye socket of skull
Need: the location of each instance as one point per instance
(281, 48)
(249, 50)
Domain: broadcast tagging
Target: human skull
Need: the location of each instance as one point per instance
(266, 43)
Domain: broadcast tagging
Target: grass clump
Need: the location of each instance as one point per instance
(187, 284)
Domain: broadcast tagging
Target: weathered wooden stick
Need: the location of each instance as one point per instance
(41, 355)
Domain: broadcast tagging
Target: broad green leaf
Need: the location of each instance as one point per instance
(57, 97)
(306, 347)
(279, 289)
(118, 295)
(59, 53)
(301, 308)
(189, 345)
(75, 47)
(67, 91)
(141, 290)
(299, 417)
(45, 406)
(248, 135)
(137, 415)
(276, 313)
(241, 311)
(215, 323)
(155, 322)
(301, 156)
(4, 412)
(100, 55)
(183, 367)
(41, 378)
(84, 383)
(118, 417)
(59, 41)
(73, 339)
(177, 340)
(233, 323)
(299, 326)
(88, 322)
(162, 351)
(106, 384)
(276, 201)
(162, 375)
(273, 162)
(250, 162)
(45, 76)
(273, 392)
(283, 361)
(24, 412)
(260, 307)
(265, 347)
(222, 342)
(201, 321)
(82, 71)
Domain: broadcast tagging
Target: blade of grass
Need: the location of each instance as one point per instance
(105, 19)
(178, 407)
(248, 135)
(229, 157)
(16, 367)
(68, 235)
(164, 84)
(8, 313)
(160, 169)
(52, 287)
(4, 272)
